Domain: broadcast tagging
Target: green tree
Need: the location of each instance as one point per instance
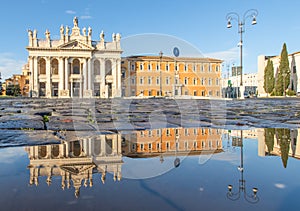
(269, 80)
(283, 78)
(13, 90)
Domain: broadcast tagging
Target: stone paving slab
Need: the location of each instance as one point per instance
(12, 138)
(99, 114)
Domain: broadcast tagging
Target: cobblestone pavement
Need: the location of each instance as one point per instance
(39, 121)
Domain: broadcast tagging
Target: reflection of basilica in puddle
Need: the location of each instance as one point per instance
(80, 157)
(77, 159)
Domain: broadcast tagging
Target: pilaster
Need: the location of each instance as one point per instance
(48, 77)
(66, 92)
(103, 87)
(35, 92)
(61, 74)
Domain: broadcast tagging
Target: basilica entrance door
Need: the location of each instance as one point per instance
(76, 88)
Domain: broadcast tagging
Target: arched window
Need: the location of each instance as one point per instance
(42, 151)
(55, 151)
(76, 67)
(76, 148)
(108, 67)
(42, 66)
(97, 147)
(54, 67)
(96, 67)
(108, 146)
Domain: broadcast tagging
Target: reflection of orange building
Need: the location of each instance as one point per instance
(169, 76)
(182, 141)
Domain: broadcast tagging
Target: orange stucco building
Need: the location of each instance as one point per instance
(170, 76)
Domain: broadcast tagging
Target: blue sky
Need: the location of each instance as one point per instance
(200, 23)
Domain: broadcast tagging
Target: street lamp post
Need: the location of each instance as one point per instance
(160, 73)
(241, 23)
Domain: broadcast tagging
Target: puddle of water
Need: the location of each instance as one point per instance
(165, 169)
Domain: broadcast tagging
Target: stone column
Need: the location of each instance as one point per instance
(115, 144)
(103, 146)
(71, 87)
(67, 149)
(61, 151)
(102, 75)
(67, 92)
(84, 74)
(89, 74)
(80, 87)
(35, 77)
(48, 147)
(92, 76)
(31, 74)
(119, 75)
(119, 144)
(115, 81)
(61, 76)
(48, 77)
(90, 147)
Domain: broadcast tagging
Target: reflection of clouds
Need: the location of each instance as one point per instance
(147, 168)
(232, 158)
(9, 155)
(72, 202)
(280, 185)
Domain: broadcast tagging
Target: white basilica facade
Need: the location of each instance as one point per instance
(74, 65)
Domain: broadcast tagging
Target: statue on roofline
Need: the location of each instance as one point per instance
(75, 21)
(62, 30)
(29, 33)
(102, 36)
(90, 31)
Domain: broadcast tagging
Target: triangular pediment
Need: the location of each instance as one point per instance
(75, 44)
(77, 168)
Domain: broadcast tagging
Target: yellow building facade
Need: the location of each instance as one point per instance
(170, 76)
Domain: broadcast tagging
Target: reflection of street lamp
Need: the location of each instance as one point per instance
(241, 23)
(177, 160)
(242, 183)
(161, 158)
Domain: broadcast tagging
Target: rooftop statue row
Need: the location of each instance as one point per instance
(67, 35)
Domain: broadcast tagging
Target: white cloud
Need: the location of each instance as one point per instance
(9, 65)
(70, 12)
(85, 17)
(228, 55)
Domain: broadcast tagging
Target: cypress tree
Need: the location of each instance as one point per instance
(269, 80)
(283, 80)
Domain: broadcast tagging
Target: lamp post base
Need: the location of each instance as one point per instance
(242, 90)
